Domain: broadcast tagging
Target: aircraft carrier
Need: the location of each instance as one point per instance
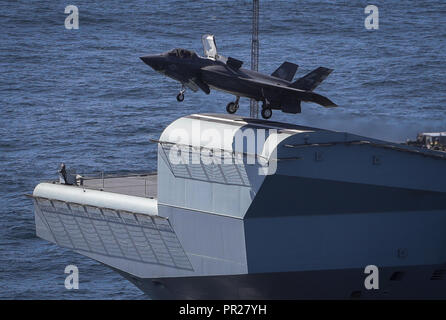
(326, 205)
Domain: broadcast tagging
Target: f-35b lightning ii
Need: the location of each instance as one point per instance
(275, 91)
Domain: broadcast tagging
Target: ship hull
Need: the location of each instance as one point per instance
(415, 282)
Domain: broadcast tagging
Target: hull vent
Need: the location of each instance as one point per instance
(439, 274)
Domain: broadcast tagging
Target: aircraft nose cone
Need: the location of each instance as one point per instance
(154, 61)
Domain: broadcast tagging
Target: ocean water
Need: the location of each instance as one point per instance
(83, 97)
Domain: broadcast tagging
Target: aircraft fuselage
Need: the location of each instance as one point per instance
(274, 91)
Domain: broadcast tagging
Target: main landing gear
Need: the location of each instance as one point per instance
(180, 96)
(267, 112)
(232, 107)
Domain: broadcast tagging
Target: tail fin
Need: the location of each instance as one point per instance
(286, 71)
(311, 80)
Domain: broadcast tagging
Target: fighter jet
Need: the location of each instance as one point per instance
(276, 91)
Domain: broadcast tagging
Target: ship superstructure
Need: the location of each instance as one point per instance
(299, 215)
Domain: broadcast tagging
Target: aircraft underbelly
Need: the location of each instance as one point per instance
(230, 84)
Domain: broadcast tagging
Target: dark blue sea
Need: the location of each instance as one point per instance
(83, 97)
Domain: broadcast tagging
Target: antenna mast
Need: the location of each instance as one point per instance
(254, 107)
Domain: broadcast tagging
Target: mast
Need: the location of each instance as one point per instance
(254, 107)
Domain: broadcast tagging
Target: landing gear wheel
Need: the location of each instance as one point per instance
(180, 97)
(267, 113)
(232, 107)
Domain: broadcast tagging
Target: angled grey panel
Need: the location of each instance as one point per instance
(113, 233)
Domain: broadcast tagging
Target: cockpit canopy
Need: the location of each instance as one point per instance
(182, 53)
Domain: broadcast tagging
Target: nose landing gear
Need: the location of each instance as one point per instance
(180, 96)
(232, 107)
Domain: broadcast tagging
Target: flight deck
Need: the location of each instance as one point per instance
(139, 185)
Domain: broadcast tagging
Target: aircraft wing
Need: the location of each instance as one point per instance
(273, 92)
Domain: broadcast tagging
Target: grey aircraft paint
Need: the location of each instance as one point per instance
(276, 91)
